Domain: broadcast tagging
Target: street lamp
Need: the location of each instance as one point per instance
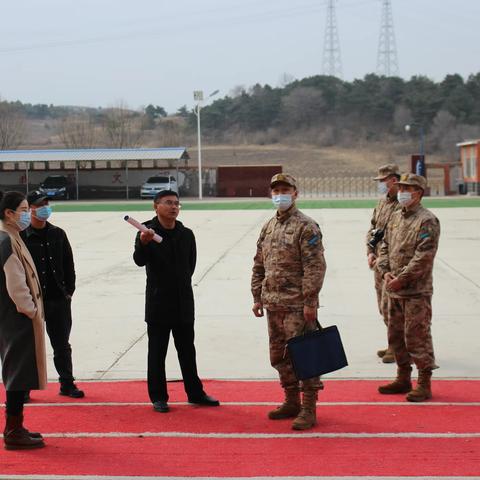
(198, 97)
(420, 168)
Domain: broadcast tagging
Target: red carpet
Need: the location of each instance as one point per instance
(371, 435)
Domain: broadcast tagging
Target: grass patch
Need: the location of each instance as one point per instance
(123, 206)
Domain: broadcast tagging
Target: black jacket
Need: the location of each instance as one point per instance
(60, 257)
(169, 267)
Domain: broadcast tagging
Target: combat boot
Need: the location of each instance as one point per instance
(307, 417)
(289, 408)
(388, 356)
(423, 390)
(402, 384)
(16, 437)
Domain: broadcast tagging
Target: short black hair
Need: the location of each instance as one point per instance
(164, 193)
(11, 201)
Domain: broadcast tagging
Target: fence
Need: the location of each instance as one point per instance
(351, 187)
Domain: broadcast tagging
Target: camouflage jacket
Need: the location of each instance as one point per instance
(380, 218)
(408, 250)
(289, 266)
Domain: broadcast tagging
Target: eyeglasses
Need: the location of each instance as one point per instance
(170, 203)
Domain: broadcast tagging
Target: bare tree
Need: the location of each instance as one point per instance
(78, 131)
(122, 127)
(12, 126)
(302, 106)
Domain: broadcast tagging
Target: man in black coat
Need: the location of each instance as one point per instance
(53, 257)
(169, 303)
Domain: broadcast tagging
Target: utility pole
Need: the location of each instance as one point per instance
(387, 58)
(332, 62)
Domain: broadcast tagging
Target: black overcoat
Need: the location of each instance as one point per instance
(169, 268)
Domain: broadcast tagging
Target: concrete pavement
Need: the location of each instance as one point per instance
(109, 340)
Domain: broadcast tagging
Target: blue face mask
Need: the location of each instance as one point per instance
(382, 188)
(43, 213)
(282, 201)
(24, 221)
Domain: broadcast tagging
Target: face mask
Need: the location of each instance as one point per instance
(43, 213)
(382, 188)
(404, 198)
(282, 202)
(24, 221)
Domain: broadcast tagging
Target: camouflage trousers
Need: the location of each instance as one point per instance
(409, 321)
(283, 325)
(382, 296)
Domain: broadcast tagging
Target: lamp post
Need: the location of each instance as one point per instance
(198, 97)
(420, 168)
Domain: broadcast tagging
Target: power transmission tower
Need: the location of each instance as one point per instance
(387, 59)
(332, 62)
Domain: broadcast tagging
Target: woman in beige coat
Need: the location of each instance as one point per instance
(22, 337)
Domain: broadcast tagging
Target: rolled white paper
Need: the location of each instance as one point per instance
(140, 226)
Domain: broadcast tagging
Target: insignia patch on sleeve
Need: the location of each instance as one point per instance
(425, 235)
(313, 240)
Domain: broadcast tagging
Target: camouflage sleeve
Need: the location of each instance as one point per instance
(373, 224)
(383, 265)
(258, 270)
(427, 244)
(313, 263)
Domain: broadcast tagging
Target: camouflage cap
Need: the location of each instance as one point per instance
(413, 180)
(283, 178)
(386, 170)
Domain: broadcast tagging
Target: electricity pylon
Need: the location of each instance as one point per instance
(387, 58)
(332, 62)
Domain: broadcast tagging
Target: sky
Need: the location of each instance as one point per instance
(101, 53)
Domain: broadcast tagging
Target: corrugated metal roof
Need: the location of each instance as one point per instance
(176, 153)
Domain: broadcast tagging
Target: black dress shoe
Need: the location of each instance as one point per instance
(71, 390)
(161, 406)
(206, 400)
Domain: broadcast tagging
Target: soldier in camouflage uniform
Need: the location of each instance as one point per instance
(388, 176)
(406, 263)
(288, 272)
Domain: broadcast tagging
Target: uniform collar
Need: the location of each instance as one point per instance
(285, 215)
(35, 231)
(407, 213)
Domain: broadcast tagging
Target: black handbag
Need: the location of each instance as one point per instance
(317, 352)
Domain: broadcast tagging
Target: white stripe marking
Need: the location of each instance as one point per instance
(254, 404)
(259, 435)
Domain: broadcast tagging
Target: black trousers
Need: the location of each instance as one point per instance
(183, 337)
(14, 402)
(58, 319)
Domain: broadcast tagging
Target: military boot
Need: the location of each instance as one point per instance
(402, 384)
(289, 408)
(307, 417)
(16, 437)
(388, 356)
(423, 390)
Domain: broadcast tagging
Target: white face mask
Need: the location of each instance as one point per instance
(382, 188)
(282, 201)
(404, 198)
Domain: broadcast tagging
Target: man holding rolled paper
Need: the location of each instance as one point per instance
(288, 272)
(169, 303)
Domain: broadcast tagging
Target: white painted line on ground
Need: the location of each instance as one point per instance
(255, 404)
(274, 436)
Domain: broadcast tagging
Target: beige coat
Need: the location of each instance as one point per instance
(22, 297)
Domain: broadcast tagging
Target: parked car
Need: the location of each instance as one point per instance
(156, 184)
(58, 187)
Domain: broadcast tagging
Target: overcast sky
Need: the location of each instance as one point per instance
(102, 52)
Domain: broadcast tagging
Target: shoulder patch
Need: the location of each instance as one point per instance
(314, 240)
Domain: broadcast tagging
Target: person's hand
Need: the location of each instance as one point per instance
(147, 237)
(309, 313)
(393, 284)
(257, 309)
(388, 277)
(371, 259)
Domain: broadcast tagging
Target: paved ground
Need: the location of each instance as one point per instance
(109, 333)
